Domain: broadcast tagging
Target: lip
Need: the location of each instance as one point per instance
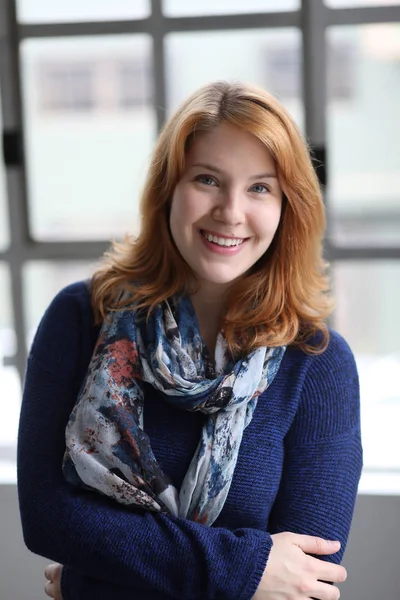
(227, 250)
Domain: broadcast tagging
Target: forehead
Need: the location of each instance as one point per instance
(227, 144)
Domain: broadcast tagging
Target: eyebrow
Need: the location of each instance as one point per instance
(267, 175)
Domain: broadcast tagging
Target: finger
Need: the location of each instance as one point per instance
(315, 545)
(327, 571)
(50, 571)
(323, 591)
(49, 589)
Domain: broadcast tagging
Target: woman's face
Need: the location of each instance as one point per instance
(227, 205)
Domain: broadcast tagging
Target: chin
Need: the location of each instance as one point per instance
(220, 280)
(217, 274)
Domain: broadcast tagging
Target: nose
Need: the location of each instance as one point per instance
(229, 208)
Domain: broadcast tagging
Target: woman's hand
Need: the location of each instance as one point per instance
(292, 574)
(53, 583)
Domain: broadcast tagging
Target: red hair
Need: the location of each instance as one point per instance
(284, 298)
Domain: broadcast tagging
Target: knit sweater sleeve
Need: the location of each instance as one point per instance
(135, 553)
(323, 452)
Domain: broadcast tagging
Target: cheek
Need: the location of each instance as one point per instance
(181, 219)
(178, 211)
(266, 221)
(186, 208)
(277, 213)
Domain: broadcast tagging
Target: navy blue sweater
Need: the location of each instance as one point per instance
(298, 470)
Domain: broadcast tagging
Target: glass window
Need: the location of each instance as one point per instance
(67, 87)
(42, 281)
(363, 130)
(4, 229)
(269, 58)
(354, 3)
(134, 84)
(10, 387)
(223, 7)
(90, 128)
(43, 11)
(7, 335)
(368, 300)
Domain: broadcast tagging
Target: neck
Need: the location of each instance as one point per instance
(208, 304)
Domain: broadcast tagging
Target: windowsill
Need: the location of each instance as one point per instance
(8, 473)
(380, 483)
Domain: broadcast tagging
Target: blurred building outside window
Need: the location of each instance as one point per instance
(135, 83)
(363, 138)
(284, 70)
(115, 84)
(66, 87)
(81, 162)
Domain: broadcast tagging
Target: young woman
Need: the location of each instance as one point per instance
(190, 427)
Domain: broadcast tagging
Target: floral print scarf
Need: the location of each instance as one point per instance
(107, 448)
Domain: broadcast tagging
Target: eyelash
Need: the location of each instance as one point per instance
(262, 185)
(200, 179)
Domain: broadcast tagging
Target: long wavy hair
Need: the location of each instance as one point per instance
(285, 297)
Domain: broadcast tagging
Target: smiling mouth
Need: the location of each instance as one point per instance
(222, 241)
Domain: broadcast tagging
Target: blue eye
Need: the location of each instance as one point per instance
(206, 180)
(260, 188)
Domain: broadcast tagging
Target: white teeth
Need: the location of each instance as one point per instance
(222, 241)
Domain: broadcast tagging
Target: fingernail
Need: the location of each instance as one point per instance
(335, 543)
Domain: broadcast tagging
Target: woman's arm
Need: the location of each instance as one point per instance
(133, 550)
(323, 452)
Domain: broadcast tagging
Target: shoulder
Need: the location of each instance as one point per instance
(74, 293)
(323, 365)
(67, 328)
(337, 354)
(329, 403)
(69, 302)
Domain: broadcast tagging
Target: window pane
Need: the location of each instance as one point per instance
(4, 232)
(10, 387)
(90, 127)
(42, 281)
(354, 3)
(368, 300)
(10, 390)
(4, 229)
(271, 59)
(364, 134)
(223, 7)
(43, 11)
(7, 335)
